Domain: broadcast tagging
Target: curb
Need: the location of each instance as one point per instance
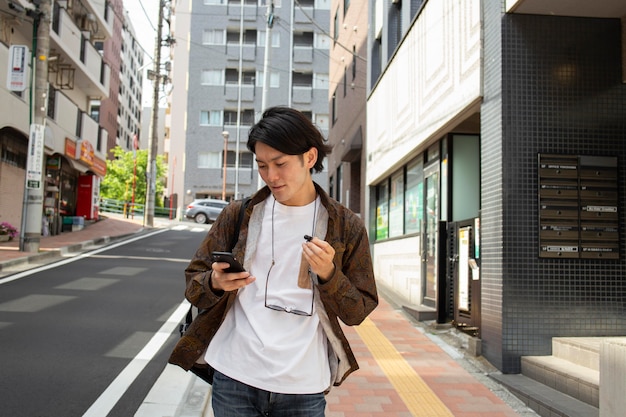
(30, 258)
(178, 394)
(66, 250)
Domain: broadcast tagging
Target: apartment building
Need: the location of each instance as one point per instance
(75, 145)
(121, 113)
(476, 112)
(347, 103)
(220, 58)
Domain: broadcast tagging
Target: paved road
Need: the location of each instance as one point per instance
(90, 335)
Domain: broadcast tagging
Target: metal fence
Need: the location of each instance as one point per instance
(129, 209)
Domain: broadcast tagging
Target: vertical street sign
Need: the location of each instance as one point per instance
(34, 161)
(17, 68)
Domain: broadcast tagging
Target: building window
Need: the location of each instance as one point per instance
(333, 106)
(245, 159)
(382, 211)
(336, 26)
(346, 6)
(320, 81)
(353, 62)
(396, 205)
(210, 118)
(321, 41)
(339, 190)
(321, 120)
(249, 37)
(94, 110)
(13, 149)
(274, 79)
(414, 198)
(212, 77)
(209, 160)
(303, 79)
(214, 37)
(303, 39)
(232, 76)
(400, 202)
(247, 117)
(275, 41)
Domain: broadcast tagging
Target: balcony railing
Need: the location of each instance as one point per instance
(302, 94)
(232, 92)
(303, 54)
(72, 48)
(249, 51)
(249, 11)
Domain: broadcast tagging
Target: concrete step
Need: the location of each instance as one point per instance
(562, 375)
(545, 401)
(584, 351)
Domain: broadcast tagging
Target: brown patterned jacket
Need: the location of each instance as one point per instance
(350, 295)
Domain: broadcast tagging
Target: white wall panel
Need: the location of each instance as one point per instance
(434, 76)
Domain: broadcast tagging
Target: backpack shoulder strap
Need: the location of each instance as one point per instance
(242, 212)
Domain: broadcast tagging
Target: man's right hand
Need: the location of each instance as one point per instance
(228, 281)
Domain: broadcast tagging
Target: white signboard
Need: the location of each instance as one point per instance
(17, 68)
(34, 162)
(463, 290)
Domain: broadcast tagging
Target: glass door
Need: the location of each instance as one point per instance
(430, 233)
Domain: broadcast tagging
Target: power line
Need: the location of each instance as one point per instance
(146, 14)
(326, 33)
(317, 25)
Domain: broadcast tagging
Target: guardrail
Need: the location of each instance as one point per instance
(128, 209)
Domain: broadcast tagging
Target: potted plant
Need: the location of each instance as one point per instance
(7, 232)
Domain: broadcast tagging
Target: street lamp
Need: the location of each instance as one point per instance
(225, 134)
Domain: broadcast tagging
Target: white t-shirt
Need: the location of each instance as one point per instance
(267, 349)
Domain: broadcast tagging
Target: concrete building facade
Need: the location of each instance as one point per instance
(75, 145)
(347, 102)
(223, 74)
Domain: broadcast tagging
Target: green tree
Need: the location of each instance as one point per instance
(118, 181)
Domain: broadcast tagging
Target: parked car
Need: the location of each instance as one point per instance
(205, 210)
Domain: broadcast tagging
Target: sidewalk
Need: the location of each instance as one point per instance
(407, 368)
(109, 227)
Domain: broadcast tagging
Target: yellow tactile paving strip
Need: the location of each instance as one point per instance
(418, 397)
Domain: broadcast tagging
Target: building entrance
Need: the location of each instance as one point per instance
(430, 232)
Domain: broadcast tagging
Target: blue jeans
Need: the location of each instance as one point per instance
(232, 398)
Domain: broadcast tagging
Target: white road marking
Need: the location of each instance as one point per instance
(107, 400)
(75, 258)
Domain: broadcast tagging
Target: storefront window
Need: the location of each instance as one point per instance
(382, 211)
(396, 205)
(414, 198)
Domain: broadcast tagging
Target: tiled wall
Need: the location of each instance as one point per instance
(551, 85)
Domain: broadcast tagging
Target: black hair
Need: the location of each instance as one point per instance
(290, 132)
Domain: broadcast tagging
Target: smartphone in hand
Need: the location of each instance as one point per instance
(227, 257)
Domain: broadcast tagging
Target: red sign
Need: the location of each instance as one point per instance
(70, 148)
(99, 167)
(86, 153)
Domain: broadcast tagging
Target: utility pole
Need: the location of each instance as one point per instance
(266, 59)
(148, 215)
(239, 102)
(225, 134)
(266, 69)
(32, 211)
